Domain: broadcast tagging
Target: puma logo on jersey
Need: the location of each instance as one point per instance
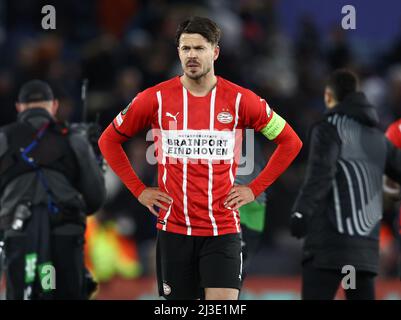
(168, 114)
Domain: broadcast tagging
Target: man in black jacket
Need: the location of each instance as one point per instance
(339, 206)
(49, 181)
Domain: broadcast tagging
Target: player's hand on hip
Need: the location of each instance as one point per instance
(238, 196)
(151, 197)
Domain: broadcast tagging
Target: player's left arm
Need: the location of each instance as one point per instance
(257, 114)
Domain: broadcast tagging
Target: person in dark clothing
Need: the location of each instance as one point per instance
(339, 206)
(49, 181)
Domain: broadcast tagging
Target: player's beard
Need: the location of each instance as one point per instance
(198, 76)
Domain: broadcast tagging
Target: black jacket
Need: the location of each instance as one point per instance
(66, 159)
(342, 191)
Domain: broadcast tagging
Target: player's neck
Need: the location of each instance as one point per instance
(200, 87)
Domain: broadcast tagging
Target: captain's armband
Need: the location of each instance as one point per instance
(274, 127)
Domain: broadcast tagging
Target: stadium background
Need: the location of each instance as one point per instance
(281, 49)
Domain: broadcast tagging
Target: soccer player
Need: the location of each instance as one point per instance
(197, 120)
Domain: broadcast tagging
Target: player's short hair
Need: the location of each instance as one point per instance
(342, 82)
(203, 26)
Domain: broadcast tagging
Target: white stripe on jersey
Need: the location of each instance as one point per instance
(185, 164)
(237, 102)
(210, 163)
(185, 199)
(164, 178)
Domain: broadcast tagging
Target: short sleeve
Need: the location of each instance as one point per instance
(137, 115)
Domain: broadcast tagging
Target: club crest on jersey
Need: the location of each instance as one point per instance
(225, 117)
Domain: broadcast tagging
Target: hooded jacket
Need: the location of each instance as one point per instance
(342, 191)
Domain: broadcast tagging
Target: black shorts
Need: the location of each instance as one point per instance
(188, 264)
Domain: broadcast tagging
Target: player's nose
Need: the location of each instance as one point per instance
(192, 53)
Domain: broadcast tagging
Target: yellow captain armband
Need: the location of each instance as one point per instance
(274, 127)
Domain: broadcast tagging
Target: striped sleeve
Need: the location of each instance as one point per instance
(257, 114)
(137, 115)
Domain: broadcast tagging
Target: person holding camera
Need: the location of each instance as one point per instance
(50, 180)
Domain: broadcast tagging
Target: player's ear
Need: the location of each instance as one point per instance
(216, 52)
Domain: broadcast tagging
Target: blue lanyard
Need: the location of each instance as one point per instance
(52, 207)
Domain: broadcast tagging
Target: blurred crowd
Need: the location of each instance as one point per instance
(125, 46)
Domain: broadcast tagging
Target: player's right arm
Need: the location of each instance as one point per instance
(135, 117)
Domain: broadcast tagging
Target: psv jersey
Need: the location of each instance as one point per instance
(198, 143)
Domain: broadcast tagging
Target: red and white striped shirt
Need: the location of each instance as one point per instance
(198, 143)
